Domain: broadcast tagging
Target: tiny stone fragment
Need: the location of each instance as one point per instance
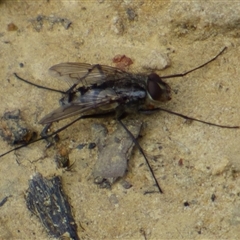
(81, 146)
(14, 130)
(4, 200)
(122, 62)
(113, 199)
(51, 20)
(156, 60)
(117, 25)
(126, 184)
(62, 158)
(66, 23)
(113, 155)
(46, 199)
(21, 65)
(91, 145)
(131, 14)
(12, 27)
(213, 197)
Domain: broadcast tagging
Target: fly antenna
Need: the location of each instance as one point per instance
(194, 69)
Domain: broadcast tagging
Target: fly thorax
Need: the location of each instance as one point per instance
(131, 94)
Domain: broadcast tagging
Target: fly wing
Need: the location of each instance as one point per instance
(84, 74)
(96, 99)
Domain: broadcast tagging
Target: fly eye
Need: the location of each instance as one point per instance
(157, 89)
(154, 90)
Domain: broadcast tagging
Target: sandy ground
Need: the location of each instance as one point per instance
(194, 162)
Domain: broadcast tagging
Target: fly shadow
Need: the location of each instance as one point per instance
(98, 91)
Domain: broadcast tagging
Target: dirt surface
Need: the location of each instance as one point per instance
(197, 165)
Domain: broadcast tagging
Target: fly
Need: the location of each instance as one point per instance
(99, 90)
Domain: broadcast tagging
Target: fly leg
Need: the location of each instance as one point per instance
(49, 139)
(38, 86)
(120, 114)
(142, 152)
(101, 115)
(149, 111)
